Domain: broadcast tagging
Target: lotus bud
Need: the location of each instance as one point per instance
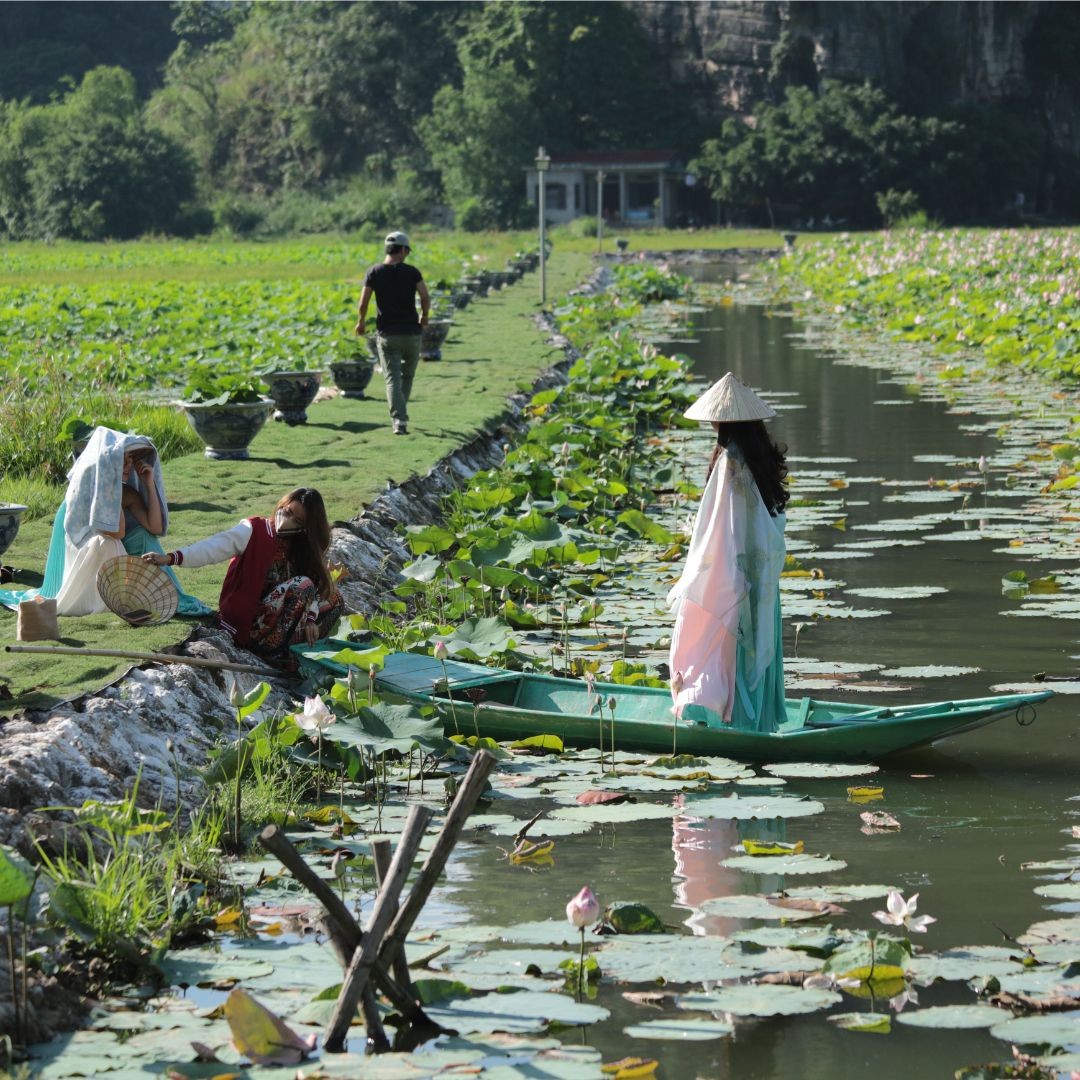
(371, 672)
(590, 682)
(984, 467)
(611, 703)
(441, 651)
(565, 451)
(337, 863)
(584, 909)
(677, 683)
(236, 695)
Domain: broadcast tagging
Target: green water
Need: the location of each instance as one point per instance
(975, 808)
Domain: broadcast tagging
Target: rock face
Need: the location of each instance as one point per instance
(922, 51)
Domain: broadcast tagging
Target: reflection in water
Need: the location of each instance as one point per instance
(700, 845)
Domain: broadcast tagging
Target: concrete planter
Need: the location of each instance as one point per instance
(228, 429)
(434, 336)
(293, 392)
(351, 377)
(10, 516)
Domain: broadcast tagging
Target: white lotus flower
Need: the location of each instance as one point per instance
(901, 912)
(316, 717)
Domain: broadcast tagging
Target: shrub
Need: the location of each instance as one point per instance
(894, 205)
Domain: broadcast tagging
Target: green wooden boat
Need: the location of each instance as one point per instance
(516, 705)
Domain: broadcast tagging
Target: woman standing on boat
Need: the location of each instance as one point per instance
(726, 653)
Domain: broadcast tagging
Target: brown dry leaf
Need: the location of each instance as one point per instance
(653, 999)
(592, 797)
(822, 907)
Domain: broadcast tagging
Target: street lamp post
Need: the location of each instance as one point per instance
(543, 163)
(600, 210)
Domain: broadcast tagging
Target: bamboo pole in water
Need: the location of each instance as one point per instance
(156, 657)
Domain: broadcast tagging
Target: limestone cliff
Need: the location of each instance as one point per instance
(928, 54)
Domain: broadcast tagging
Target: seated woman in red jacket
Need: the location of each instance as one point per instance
(277, 591)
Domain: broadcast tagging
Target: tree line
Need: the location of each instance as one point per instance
(288, 117)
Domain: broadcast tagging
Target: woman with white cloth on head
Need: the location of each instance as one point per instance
(727, 663)
(114, 505)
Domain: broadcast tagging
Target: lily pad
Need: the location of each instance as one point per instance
(929, 671)
(815, 769)
(872, 1022)
(783, 865)
(1056, 1029)
(743, 807)
(764, 1000)
(972, 962)
(522, 1011)
(689, 1030)
(838, 894)
(900, 592)
(205, 967)
(752, 907)
(954, 1016)
(612, 814)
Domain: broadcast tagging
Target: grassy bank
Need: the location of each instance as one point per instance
(346, 450)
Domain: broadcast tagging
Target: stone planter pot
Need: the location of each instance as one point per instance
(10, 516)
(293, 392)
(461, 298)
(434, 336)
(351, 377)
(477, 284)
(227, 430)
(501, 278)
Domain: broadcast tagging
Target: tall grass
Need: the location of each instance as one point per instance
(33, 448)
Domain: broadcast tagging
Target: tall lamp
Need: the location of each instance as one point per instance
(543, 163)
(600, 210)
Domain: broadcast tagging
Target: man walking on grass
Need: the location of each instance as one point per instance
(398, 331)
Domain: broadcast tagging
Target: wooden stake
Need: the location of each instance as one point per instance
(380, 849)
(157, 657)
(276, 842)
(468, 794)
(356, 978)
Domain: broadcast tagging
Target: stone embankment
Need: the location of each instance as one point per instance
(96, 747)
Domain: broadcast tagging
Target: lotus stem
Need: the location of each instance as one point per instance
(453, 711)
(318, 771)
(581, 965)
(239, 774)
(11, 971)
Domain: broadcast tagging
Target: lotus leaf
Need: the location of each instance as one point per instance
(960, 964)
(764, 1000)
(812, 769)
(16, 877)
(669, 959)
(784, 864)
(522, 1011)
(748, 807)
(613, 814)
(477, 639)
(510, 962)
(872, 1022)
(688, 1030)
(814, 940)
(543, 932)
(1052, 931)
(385, 727)
(632, 918)
(1055, 1029)
(752, 907)
(954, 1016)
(882, 959)
(838, 894)
(929, 671)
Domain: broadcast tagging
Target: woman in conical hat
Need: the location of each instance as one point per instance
(726, 654)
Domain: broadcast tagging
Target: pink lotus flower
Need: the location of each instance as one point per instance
(316, 717)
(584, 909)
(441, 651)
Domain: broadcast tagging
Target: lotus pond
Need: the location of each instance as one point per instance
(925, 566)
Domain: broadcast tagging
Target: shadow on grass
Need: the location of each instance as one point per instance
(352, 427)
(205, 507)
(318, 463)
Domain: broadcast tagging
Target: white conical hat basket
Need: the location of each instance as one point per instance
(729, 401)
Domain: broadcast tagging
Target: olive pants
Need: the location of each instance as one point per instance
(399, 355)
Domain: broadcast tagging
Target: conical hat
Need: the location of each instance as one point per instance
(729, 401)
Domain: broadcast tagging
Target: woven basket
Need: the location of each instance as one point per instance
(139, 592)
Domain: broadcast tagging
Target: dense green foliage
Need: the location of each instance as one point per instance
(325, 116)
(993, 299)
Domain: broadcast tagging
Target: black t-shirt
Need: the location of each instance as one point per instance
(394, 285)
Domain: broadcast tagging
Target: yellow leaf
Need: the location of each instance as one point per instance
(838, 483)
(532, 851)
(1016, 543)
(228, 916)
(272, 928)
(775, 847)
(865, 794)
(797, 573)
(630, 1067)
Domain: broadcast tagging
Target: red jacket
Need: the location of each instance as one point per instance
(241, 593)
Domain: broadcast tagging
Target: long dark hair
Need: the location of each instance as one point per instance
(764, 457)
(307, 550)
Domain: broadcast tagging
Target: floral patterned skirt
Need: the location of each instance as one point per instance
(283, 614)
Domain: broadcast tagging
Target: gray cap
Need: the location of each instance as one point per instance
(398, 239)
